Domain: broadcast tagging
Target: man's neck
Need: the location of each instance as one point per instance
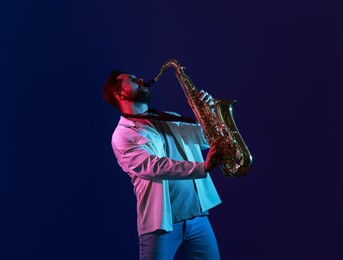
(134, 108)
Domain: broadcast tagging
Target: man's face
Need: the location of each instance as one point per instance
(132, 89)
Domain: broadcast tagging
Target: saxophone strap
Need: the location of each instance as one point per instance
(161, 116)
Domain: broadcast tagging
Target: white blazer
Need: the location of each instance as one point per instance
(139, 149)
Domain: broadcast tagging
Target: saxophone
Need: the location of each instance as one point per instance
(217, 123)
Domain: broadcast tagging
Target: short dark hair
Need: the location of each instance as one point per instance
(111, 86)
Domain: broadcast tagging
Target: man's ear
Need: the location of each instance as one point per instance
(117, 95)
(120, 95)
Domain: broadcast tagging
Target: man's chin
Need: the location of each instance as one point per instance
(144, 99)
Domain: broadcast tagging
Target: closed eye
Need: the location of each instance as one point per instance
(133, 78)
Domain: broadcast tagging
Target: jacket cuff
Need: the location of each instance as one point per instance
(201, 170)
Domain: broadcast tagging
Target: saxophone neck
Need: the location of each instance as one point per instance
(164, 67)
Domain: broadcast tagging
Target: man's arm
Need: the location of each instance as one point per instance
(140, 160)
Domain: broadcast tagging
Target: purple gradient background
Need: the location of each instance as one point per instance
(63, 195)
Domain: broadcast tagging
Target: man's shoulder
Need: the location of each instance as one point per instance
(129, 130)
(123, 135)
(124, 127)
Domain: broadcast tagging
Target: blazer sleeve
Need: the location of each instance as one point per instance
(137, 156)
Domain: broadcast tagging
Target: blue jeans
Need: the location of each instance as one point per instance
(192, 238)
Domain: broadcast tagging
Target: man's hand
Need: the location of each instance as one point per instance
(215, 156)
(207, 98)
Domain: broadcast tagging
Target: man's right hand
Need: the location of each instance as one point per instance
(217, 155)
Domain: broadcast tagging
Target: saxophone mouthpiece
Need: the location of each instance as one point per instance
(149, 83)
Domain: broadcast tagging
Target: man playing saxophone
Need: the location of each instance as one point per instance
(161, 152)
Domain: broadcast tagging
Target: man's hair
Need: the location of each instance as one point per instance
(112, 85)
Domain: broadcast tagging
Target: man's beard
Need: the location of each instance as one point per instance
(143, 96)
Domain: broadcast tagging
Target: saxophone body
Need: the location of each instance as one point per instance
(217, 123)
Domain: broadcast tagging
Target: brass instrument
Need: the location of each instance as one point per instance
(217, 123)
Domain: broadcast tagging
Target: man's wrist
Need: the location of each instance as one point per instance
(206, 167)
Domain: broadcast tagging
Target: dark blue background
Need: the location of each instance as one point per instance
(63, 195)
